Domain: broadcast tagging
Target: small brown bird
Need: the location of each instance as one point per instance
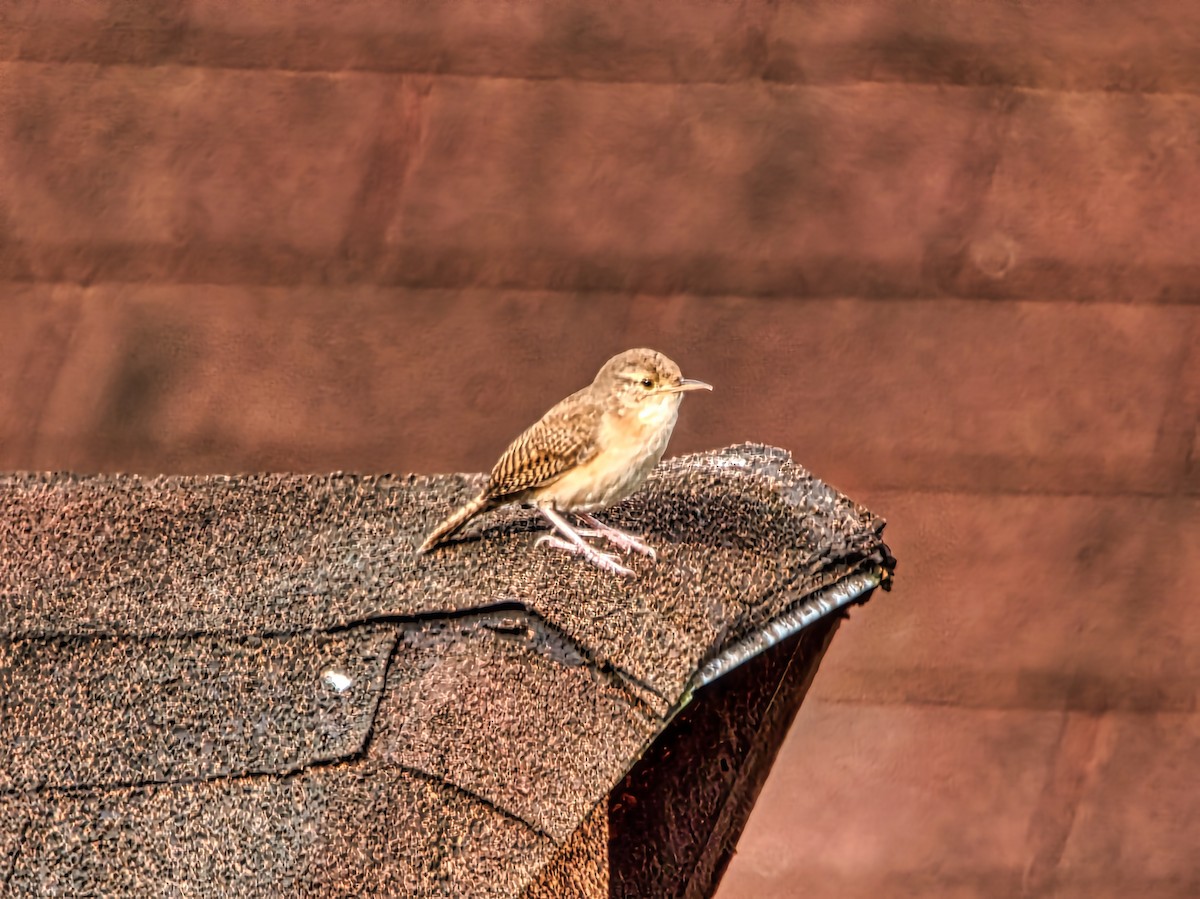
(589, 452)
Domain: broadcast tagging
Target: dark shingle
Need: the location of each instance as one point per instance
(102, 711)
(327, 831)
(442, 710)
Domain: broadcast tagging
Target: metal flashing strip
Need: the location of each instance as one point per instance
(822, 603)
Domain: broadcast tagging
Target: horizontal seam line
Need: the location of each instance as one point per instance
(281, 776)
(86, 283)
(75, 60)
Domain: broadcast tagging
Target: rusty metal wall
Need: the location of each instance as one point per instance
(946, 253)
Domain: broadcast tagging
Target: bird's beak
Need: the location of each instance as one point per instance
(688, 384)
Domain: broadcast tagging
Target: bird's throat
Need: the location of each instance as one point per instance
(659, 412)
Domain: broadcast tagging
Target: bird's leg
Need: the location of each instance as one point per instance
(618, 538)
(574, 543)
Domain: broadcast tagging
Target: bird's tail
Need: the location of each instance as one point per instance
(476, 506)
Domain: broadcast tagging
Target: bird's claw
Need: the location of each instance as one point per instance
(601, 560)
(615, 536)
(622, 541)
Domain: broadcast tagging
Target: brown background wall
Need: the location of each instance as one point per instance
(947, 253)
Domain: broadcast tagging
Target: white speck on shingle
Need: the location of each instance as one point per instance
(338, 680)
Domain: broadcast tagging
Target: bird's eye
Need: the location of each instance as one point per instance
(647, 383)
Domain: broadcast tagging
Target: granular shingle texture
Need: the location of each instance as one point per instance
(254, 684)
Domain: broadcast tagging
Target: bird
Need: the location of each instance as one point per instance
(588, 453)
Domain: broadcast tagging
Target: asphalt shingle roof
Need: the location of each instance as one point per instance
(254, 685)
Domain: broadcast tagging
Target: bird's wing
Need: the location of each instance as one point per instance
(560, 440)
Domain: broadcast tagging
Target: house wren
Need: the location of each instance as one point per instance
(588, 453)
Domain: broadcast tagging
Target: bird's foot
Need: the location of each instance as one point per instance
(601, 560)
(618, 538)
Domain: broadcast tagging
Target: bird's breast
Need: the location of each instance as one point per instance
(630, 446)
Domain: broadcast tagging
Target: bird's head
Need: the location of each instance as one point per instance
(640, 377)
